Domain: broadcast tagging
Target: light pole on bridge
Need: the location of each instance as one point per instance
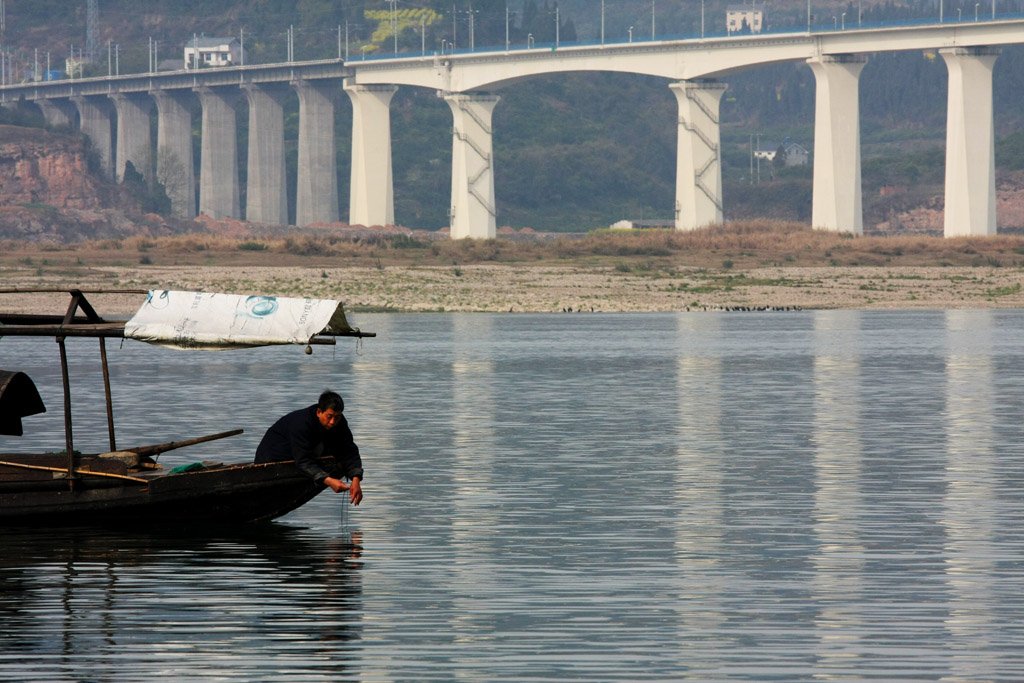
(631, 34)
(394, 23)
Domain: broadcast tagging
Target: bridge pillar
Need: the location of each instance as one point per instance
(134, 141)
(316, 199)
(174, 167)
(266, 193)
(698, 154)
(97, 121)
(970, 142)
(218, 162)
(58, 112)
(371, 194)
(836, 203)
(473, 211)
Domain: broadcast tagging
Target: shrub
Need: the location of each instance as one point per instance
(307, 246)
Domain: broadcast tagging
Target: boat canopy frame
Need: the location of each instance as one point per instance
(81, 320)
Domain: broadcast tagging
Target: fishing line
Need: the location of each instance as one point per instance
(344, 512)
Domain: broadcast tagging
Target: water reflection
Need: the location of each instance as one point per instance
(969, 515)
(100, 605)
(838, 502)
(604, 497)
(372, 406)
(698, 476)
(476, 500)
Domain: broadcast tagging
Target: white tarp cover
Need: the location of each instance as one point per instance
(203, 320)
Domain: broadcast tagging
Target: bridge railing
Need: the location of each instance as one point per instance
(837, 25)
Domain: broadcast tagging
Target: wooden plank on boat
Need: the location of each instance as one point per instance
(22, 474)
(44, 459)
(115, 330)
(77, 471)
(108, 465)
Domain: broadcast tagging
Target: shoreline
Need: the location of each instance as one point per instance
(539, 287)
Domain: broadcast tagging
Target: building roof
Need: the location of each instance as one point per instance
(203, 42)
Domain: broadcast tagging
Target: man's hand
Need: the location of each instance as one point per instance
(355, 492)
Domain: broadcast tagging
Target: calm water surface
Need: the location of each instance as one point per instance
(814, 495)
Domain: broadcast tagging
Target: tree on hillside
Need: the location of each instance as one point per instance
(151, 201)
(779, 160)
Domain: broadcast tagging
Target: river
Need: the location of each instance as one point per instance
(740, 496)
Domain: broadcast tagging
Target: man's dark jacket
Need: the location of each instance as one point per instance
(299, 436)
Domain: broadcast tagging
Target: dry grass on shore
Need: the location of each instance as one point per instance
(748, 264)
(739, 245)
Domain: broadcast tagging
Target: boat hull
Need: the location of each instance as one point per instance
(224, 495)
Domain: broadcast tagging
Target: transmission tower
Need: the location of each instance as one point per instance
(92, 28)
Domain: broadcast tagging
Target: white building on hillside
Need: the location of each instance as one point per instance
(794, 154)
(203, 52)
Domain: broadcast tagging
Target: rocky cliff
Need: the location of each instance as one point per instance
(40, 167)
(47, 193)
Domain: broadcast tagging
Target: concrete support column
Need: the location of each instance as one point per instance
(58, 112)
(266, 190)
(218, 162)
(97, 117)
(699, 154)
(837, 202)
(134, 142)
(473, 211)
(371, 194)
(174, 167)
(316, 199)
(970, 142)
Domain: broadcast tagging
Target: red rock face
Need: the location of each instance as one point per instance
(47, 193)
(37, 167)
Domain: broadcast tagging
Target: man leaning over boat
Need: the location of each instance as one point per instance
(307, 434)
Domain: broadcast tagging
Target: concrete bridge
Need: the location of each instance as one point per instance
(468, 80)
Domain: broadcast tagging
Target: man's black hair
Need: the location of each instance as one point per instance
(329, 400)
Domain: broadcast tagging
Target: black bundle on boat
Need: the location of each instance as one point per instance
(18, 398)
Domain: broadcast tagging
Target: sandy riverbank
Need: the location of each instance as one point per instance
(542, 287)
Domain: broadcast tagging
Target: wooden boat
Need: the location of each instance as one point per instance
(127, 486)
